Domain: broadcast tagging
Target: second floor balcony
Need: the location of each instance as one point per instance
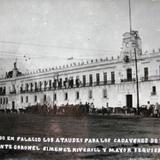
(13, 92)
(151, 78)
(68, 86)
(128, 80)
(2, 93)
(153, 93)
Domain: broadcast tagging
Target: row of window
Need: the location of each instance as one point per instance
(90, 96)
(67, 82)
(98, 78)
(129, 74)
(4, 100)
(70, 82)
(22, 99)
(26, 99)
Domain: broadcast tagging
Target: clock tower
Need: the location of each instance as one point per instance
(131, 42)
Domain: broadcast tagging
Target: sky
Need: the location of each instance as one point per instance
(45, 33)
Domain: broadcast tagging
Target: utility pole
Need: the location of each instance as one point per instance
(137, 83)
(135, 53)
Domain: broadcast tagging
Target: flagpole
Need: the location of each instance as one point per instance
(130, 16)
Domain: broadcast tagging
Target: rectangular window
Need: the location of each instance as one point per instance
(13, 89)
(0, 100)
(39, 85)
(31, 84)
(35, 98)
(27, 86)
(1, 91)
(97, 79)
(66, 96)
(77, 95)
(104, 93)
(26, 99)
(112, 78)
(153, 90)
(71, 82)
(21, 99)
(44, 98)
(90, 80)
(6, 100)
(90, 96)
(45, 85)
(129, 74)
(35, 86)
(60, 83)
(50, 84)
(21, 89)
(55, 97)
(77, 81)
(146, 73)
(84, 80)
(105, 78)
(4, 90)
(65, 83)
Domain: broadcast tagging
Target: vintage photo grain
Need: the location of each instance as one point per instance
(79, 79)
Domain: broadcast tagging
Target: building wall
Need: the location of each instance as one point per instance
(115, 93)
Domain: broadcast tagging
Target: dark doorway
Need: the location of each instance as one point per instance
(129, 101)
(13, 105)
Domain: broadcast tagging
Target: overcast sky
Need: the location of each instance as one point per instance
(44, 33)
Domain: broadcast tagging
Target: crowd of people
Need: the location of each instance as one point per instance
(148, 110)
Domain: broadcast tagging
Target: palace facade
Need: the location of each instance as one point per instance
(103, 82)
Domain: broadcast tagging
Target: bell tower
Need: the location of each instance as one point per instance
(131, 41)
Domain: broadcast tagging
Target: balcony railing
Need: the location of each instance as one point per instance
(60, 86)
(150, 78)
(128, 80)
(12, 92)
(81, 85)
(153, 93)
(2, 93)
(142, 79)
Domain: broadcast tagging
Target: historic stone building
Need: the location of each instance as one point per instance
(103, 82)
